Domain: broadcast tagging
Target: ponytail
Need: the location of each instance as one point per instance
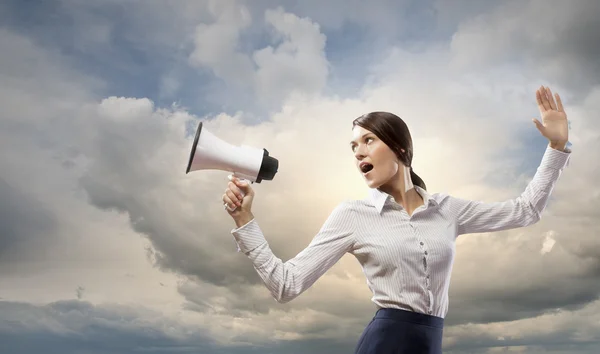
(416, 180)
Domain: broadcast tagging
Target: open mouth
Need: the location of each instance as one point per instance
(366, 168)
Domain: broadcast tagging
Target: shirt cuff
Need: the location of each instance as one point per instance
(248, 237)
(556, 159)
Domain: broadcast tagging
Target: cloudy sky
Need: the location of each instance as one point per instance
(107, 246)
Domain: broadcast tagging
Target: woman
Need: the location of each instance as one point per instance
(403, 237)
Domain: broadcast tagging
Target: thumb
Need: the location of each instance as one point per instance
(539, 125)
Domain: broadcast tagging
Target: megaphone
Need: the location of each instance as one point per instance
(245, 162)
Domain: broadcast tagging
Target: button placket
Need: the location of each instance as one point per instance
(427, 279)
(430, 301)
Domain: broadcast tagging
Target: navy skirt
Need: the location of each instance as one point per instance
(394, 331)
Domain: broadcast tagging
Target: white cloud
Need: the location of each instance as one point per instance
(530, 335)
(295, 65)
(548, 243)
(216, 44)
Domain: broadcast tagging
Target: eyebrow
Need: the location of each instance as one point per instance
(362, 136)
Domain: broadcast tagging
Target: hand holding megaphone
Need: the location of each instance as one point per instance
(238, 196)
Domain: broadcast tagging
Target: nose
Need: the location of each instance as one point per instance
(359, 153)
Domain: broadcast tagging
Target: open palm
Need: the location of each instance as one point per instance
(554, 125)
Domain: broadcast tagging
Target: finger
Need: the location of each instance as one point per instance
(559, 103)
(229, 204)
(244, 187)
(233, 197)
(539, 126)
(235, 189)
(545, 99)
(538, 96)
(241, 184)
(550, 98)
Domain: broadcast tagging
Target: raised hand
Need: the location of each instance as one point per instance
(554, 125)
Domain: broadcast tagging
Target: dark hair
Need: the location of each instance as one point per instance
(392, 130)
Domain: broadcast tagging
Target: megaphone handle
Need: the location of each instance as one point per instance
(243, 195)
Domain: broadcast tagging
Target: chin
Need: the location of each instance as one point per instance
(373, 184)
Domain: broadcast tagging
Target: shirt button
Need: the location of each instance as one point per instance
(422, 243)
(425, 252)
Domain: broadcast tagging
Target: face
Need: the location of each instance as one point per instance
(374, 159)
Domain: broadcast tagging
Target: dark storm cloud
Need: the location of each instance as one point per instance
(36, 97)
(557, 40)
(550, 338)
(528, 296)
(575, 45)
(513, 305)
(75, 327)
(26, 226)
(67, 327)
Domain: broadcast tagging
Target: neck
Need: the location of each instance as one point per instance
(403, 191)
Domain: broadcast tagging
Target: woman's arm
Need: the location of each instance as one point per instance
(287, 280)
(476, 216)
(525, 210)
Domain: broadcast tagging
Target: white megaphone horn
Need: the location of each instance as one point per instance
(249, 163)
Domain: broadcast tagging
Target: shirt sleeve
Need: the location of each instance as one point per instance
(478, 217)
(287, 280)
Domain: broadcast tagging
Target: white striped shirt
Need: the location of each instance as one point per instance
(407, 260)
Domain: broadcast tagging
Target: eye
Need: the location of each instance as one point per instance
(368, 140)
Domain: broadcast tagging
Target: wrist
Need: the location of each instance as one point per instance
(558, 145)
(242, 219)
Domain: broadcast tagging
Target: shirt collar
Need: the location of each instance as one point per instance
(379, 198)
